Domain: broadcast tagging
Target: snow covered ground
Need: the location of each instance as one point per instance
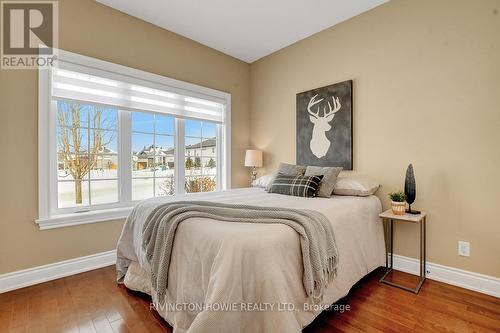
(104, 185)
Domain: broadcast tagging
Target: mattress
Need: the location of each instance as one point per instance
(245, 277)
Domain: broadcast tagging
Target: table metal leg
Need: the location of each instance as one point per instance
(422, 257)
(421, 254)
(386, 235)
(390, 225)
(392, 244)
(422, 270)
(425, 246)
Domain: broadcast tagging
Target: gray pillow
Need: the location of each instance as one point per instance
(329, 174)
(289, 170)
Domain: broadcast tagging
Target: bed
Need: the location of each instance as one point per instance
(243, 277)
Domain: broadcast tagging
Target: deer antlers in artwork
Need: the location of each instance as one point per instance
(313, 102)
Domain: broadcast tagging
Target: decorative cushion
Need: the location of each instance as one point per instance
(330, 175)
(299, 186)
(288, 169)
(355, 186)
(292, 169)
(263, 181)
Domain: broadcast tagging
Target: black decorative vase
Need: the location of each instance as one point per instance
(410, 189)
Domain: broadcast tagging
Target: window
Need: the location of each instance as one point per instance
(153, 155)
(200, 162)
(87, 154)
(110, 136)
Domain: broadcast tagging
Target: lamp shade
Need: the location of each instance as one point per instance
(253, 158)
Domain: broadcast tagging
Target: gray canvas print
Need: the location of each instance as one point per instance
(324, 126)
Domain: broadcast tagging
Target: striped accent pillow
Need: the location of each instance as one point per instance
(299, 186)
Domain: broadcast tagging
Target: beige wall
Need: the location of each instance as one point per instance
(91, 29)
(426, 90)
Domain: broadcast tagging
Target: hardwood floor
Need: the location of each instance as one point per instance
(92, 302)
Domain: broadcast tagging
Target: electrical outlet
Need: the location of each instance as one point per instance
(464, 248)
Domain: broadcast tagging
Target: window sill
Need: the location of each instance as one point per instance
(66, 220)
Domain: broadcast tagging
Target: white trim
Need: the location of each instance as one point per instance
(35, 275)
(125, 160)
(226, 153)
(43, 140)
(469, 280)
(220, 156)
(180, 155)
(53, 160)
(465, 279)
(66, 220)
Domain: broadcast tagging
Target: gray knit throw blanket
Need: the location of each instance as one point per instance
(317, 240)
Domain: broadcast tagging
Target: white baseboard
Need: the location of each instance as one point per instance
(469, 280)
(35, 275)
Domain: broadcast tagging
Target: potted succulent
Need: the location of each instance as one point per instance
(398, 202)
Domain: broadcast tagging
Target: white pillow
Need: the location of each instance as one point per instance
(263, 181)
(360, 187)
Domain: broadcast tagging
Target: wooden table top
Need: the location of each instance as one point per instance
(415, 218)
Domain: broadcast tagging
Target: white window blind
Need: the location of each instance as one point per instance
(101, 87)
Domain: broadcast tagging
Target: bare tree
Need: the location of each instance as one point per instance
(167, 186)
(78, 160)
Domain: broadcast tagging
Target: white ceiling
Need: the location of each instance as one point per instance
(245, 29)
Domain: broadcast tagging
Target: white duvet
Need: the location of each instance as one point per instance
(245, 277)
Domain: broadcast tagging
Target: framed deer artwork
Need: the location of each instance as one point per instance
(324, 126)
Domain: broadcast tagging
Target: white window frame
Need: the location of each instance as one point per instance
(52, 217)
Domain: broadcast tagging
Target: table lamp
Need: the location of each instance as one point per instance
(253, 158)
